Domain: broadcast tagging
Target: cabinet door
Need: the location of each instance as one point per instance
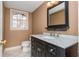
(40, 48)
(40, 51)
(54, 51)
(50, 51)
(37, 48)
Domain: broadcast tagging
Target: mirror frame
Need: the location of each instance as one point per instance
(60, 26)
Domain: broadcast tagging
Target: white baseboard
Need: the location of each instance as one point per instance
(11, 48)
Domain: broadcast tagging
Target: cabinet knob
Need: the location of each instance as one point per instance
(51, 50)
(38, 49)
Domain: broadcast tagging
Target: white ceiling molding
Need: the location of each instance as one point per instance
(29, 6)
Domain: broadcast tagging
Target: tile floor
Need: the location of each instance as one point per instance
(17, 53)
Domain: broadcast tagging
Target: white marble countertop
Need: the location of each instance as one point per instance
(63, 41)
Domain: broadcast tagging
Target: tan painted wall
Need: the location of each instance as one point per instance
(57, 18)
(40, 19)
(15, 38)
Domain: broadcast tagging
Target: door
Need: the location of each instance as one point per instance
(1, 29)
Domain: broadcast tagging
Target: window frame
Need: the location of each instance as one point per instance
(16, 12)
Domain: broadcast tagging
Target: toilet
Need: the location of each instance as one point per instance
(26, 46)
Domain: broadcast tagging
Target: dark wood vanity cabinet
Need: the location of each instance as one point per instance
(41, 48)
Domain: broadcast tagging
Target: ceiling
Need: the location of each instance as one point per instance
(29, 6)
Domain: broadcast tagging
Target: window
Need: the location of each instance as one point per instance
(18, 20)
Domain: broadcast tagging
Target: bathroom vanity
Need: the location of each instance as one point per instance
(49, 46)
(60, 45)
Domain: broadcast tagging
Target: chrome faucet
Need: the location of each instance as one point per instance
(54, 34)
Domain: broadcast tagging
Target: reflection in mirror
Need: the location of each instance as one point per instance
(57, 15)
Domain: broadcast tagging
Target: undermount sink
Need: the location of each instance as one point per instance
(48, 37)
(61, 38)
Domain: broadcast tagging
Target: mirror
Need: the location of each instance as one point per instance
(58, 16)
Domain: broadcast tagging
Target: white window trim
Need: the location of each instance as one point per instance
(22, 12)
